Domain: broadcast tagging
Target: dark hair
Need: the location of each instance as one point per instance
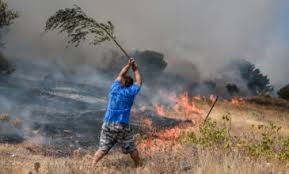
(128, 81)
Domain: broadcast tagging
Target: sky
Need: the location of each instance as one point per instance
(276, 62)
(205, 32)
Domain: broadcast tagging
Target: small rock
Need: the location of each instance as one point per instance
(37, 166)
(185, 165)
(80, 152)
(195, 151)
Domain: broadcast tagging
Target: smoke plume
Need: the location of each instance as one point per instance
(55, 84)
(205, 33)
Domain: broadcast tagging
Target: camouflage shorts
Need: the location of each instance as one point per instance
(116, 133)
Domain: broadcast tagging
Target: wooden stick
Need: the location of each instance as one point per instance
(119, 46)
(211, 109)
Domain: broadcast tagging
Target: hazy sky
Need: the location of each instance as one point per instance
(206, 32)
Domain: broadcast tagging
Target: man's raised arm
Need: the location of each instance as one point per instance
(125, 69)
(137, 75)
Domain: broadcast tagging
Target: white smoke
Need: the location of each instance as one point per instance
(206, 33)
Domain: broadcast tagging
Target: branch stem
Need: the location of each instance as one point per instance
(211, 109)
(115, 41)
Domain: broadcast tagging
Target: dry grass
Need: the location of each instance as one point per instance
(169, 157)
(19, 161)
(4, 117)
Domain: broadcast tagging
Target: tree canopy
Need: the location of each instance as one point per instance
(79, 26)
(256, 82)
(6, 15)
(284, 92)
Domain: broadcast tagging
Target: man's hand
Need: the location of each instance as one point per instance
(137, 74)
(131, 62)
(125, 69)
(134, 66)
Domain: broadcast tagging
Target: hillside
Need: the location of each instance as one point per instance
(234, 145)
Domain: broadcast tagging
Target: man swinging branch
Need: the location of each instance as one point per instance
(116, 128)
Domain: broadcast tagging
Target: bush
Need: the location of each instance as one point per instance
(6, 15)
(10, 130)
(152, 63)
(284, 92)
(257, 83)
(6, 18)
(270, 145)
(267, 100)
(266, 146)
(5, 66)
(210, 135)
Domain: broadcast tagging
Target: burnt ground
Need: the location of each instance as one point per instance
(82, 130)
(67, 116)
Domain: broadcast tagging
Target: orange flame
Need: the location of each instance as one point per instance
(143, 108)
(159, 140)
(160, 110)
(147, 123)
(237, 101)
(213, 98)
(182, 104)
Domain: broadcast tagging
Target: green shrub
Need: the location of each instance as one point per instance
(266, 146)
(210, 135)
(284, 153)
(284, 92)
(188, 138)
(269, 145)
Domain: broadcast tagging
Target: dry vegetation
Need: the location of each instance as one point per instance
(174, 150)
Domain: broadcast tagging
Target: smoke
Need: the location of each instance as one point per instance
(205, 33)
(198, 38)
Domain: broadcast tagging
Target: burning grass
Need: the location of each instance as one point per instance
(239, 138)
(182, 107)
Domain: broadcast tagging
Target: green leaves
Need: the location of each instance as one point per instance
(269, 144)
(284, 92)
(6, 15)
(79, 26)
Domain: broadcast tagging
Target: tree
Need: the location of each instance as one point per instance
(284, 92)
(6, 17)
(152, 63)
(256, 82)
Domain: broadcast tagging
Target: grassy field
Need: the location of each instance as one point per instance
(173, 150)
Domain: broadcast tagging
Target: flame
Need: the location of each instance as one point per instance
(147, 123)
(158, 140)
(198, 98)
(160, 110)
(212, 98)
(143, 108)
(237, 101)
(182, 104)
(185, 105)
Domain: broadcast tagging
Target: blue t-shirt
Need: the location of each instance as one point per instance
(120, 102)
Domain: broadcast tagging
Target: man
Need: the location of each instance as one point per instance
(115, 128)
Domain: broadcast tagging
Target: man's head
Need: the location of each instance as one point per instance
(127, 81)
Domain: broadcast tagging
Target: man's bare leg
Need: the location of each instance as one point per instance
(135, 157)
(98, 156)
